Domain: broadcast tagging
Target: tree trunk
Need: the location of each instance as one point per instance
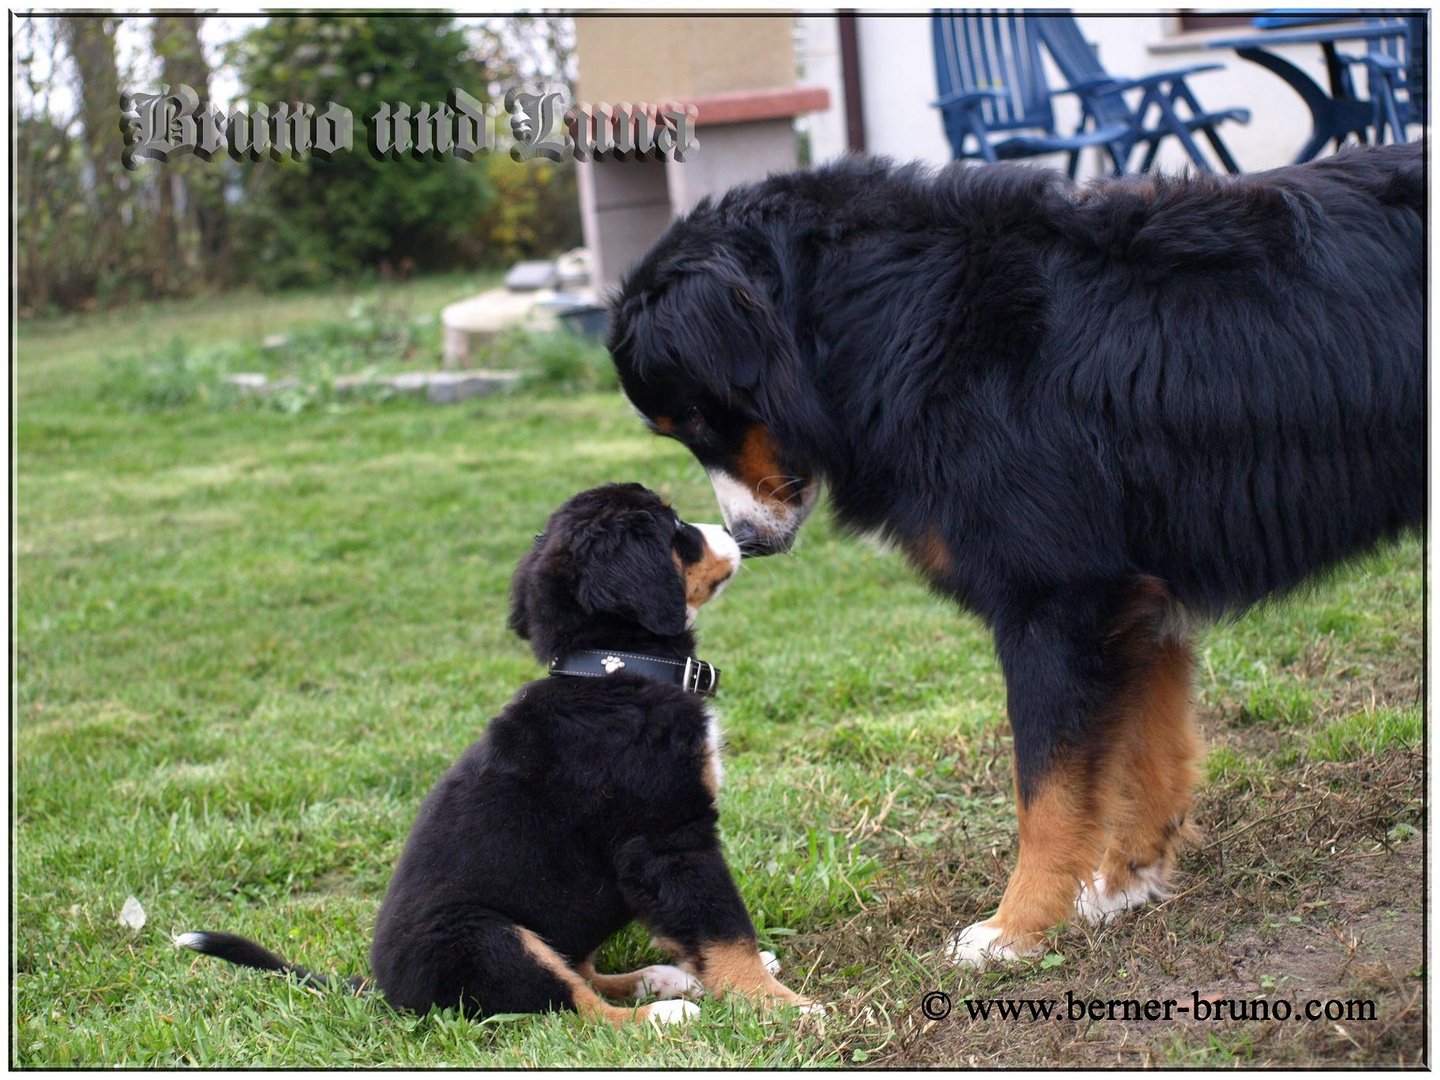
(177, 42)
(91, 41)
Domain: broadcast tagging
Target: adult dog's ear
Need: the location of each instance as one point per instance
(721, 323)
(624, 566)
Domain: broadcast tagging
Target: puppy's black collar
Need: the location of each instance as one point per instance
(690, 674)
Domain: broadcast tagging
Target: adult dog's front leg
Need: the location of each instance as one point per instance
(681, 890)
(1061, 690)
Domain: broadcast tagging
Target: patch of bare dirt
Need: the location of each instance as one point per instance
(1307, 886)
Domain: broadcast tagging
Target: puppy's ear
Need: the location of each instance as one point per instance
(625, 566)
(519, 620)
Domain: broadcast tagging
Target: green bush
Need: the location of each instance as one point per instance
(304, 364)
(305, 361)
(556, 362)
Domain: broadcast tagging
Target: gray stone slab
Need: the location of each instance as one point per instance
(445, 387)
(529, 276)
(440, 387)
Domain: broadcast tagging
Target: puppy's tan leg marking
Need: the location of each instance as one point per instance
(657, 980)
(1060, 840)
(1151, 779)
(588, 1003)
(739, 967)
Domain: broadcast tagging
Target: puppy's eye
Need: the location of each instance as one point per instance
(694, 416)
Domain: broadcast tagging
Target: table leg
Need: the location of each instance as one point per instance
(1331, 117)
(1322, 108)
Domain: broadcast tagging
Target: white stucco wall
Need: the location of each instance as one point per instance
(818, 55)
(898, 83)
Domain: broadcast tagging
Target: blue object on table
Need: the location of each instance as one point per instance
(1102, 97)
(1280, 22)
(1342, 111)
(991, 82)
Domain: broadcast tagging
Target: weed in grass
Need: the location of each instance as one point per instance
(1370, 732)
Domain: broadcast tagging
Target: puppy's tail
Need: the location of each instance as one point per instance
(246, 953)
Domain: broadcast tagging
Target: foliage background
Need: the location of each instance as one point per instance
(93, 234)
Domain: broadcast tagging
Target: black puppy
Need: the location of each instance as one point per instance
(589, 802)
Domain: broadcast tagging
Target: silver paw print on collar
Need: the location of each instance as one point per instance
(612, 664)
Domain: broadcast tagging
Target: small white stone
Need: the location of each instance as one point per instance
(132, 914)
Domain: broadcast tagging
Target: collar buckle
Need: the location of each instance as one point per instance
(699, 677)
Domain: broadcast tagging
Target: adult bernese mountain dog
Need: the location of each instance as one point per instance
(589, 802)
(1095, 416)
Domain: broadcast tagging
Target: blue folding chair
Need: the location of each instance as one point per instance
(991, 82)
(1102, 97)
(1395, 71)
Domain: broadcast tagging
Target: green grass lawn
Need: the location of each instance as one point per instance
(248, 641)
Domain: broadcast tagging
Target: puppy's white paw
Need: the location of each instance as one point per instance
(673, 1012)
(664, 981)
(812, 1008)
(771, 961)
(976, 946)
(1097, 903)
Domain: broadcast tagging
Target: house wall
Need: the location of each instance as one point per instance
(626, 205)
(658, 58)
(897, 71)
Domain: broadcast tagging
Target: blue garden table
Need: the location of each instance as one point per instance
(1333, 115)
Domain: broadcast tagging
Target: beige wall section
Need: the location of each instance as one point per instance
(653, 59)
(625, 206)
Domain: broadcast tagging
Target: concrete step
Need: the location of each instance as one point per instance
(440, 387)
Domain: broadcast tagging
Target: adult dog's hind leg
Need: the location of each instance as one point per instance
(1151, 778)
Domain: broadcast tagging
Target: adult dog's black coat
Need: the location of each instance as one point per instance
(589, 802)
(1091, 415)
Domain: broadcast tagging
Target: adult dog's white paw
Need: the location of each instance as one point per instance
(977, 945)
(672, 1012)
(1097, 902)
(771, 961)
(664, 981)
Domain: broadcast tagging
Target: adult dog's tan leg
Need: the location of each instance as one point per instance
(1151, 781)
(1060, 841)
(1097, 706)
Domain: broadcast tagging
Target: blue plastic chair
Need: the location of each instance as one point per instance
(1102, 96)
(991, 82)
(1395, 70)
